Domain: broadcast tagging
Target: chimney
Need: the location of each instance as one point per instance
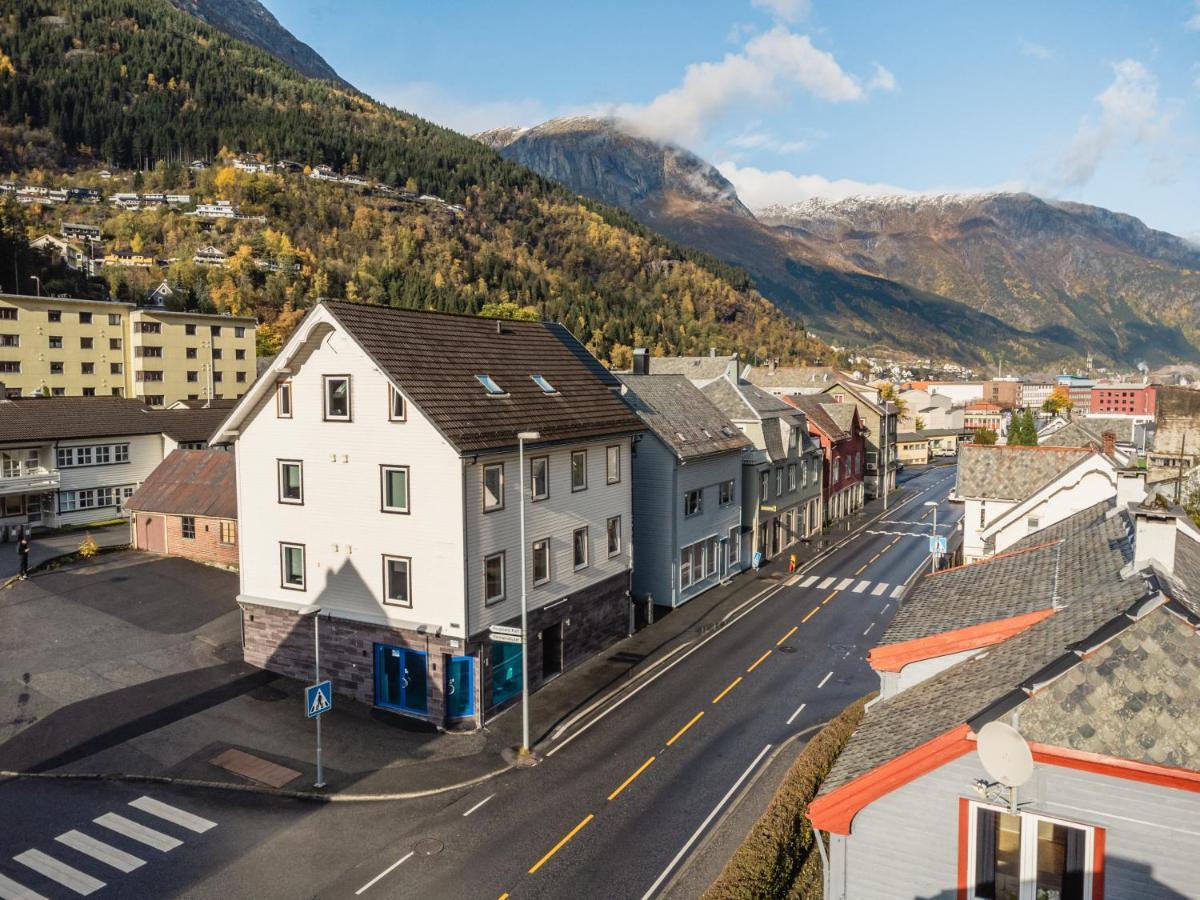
(1154, 529)
(1131, 487)
(1108, 443)
(641, 361)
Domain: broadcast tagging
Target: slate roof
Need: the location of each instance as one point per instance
(1089, 432)
(434, 358)
(190, 483)
(790, 376)
(842, 414)
(697, 367)
(820, 416)
(681, 416)
(192, 424)
(63, 418)
(743, 401)
(1011, 473)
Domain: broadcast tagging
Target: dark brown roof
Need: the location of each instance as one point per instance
(819, 416)
(63, 418)
(192, 424)
(190, 483)
(434, 358)
(204, 404)
(681, 416)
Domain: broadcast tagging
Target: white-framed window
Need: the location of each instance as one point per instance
(187, 527)
(393, 489)
(291, 481)
(1027, 856)
(283, 399)
(103, 455)
(712, 556)
(779, 481)
(734, 548)
(612, 464)
(725, 493)
(539, 478)
(693, 502)
(397, 407)
(791, 470)
(764, 486)
(291, 566)
(578, 470)
(337, 398)
(397, 580)
(17, 462)
(613, 530)
(493, 486)
(541, 561)
(695, 562)
(120, 453)
(579, 548)
(493, 577)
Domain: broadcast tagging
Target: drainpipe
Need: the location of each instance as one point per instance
(824, 863)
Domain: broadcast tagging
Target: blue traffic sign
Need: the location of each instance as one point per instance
(937, 543)
(318, 699)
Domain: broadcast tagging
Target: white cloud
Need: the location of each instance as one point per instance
(754, 139)
(466, 116)
(1037, 51)
(1130, 114)
(1193, 24)
(787, 10)
(882, 80)
(768, 67)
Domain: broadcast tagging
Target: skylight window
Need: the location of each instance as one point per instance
(546, 386)
(490, 386)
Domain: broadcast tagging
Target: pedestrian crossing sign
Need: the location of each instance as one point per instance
(318, 699)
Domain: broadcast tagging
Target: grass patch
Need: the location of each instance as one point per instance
(779, 858)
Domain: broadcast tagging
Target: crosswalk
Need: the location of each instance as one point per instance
(75, 872)
(833, 582)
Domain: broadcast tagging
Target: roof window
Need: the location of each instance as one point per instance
(490, 386)
(546, 386)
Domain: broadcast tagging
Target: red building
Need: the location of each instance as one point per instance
(982, 414)
(840, 431)
(1124, 399)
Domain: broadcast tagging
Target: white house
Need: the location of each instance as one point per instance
(380, 480)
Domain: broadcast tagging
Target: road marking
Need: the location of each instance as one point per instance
(172, 814)
(809, 581)
(106, 853)
(879, 589)
(10, 890)
(861, 586)
(570, 834)
(140, 833)
(862, 568)
(812, 612)
(795, 628)
(897, 591)
(869, 627)
(825, 679)
(799, 709)
(896, 539)
(885, 608)
(884, 550)
(703, 825)
(845, 583)
(503, 896)
(67, 876)
(830, 597)
(628, 781)
(754, 665)
(405, 858)
(872, 559)
(477, 805)
(826, 583)
(680, 732)
(732, 685)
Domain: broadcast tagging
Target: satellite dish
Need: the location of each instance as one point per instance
(1004, 754)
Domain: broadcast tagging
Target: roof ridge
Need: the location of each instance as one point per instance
(998, 556)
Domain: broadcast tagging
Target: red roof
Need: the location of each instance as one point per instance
(190, 483)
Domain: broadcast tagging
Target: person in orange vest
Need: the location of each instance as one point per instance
(792, 563)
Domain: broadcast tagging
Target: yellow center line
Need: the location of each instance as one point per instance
(813, 612)
(628, 781)
(504, 896)
(873, 558)
(883, 551)
(830, 597)
(732, 685)
(795, 628)
(754, 665)
(895, 540)
(679, 733)
(862, 568)
(570, 834)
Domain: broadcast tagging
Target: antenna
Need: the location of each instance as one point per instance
(1006, 757)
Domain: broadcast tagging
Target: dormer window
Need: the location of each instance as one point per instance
(489, 385)
(546, 386)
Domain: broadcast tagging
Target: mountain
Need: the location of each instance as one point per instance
(433, 219)
(901, 275)
(250, 21)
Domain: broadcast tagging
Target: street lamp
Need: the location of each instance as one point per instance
(522, 437)
(315, 611)
(933, 544)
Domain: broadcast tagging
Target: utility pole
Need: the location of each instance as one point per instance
(521, 439)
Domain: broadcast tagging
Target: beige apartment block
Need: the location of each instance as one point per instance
(68, 348)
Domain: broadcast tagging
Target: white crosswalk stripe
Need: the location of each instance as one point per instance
(106, 853)
(861, 586)
(809, 581)
(826, 583)
(10, 890)
(897, 591)
(879, 589)
(67, 876)
(172, 814)
(844, 583)
(140, 833)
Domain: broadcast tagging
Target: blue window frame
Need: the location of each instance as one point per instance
(401, 679)
(506, 671)
(460, 687)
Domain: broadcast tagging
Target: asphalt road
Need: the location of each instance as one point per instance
(624, 800)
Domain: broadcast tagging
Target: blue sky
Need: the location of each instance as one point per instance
(1094, 101)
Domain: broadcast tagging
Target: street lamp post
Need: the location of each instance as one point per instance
(522, 437)
(932, 544)
(39, 284)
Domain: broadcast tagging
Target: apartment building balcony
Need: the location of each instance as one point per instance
(29, 482)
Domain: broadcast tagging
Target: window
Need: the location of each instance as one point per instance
(87, 368)
(69, 457)
(54, 315)
(283, 400)
(10, 340)
(693, 561)
(493, 578)
(187, 527)
(692, 502)
(193, 376)
(240, 378)
(85, 343)
(114, 318)
(58, 391)
(103, 455)
(190, 353)
(291, 563)
(150, 327)
(153, 375)
(8, 312)
(216, 376)
(153, 352)
(539, 477)
(1032, 523)
(114, 343)
(157, 399)
(779, 482)
(189, 329)
(493, 487)
(837, 466)
(15, 463)
(56, 368)
(982, 513)
(725, 493)
(711, 553)
(579, 545)
(1028, 857)
(291, 481)
(239, 331)
(56, 342)
(10, 366)
(614, 536)
(116, 368)
(337, 398)
(121, 453)
(734, 547)
(764, 486)
(394, 481)
(216, 353)
(239, 354)
(397, 581)
(228, 532)
(85, 318)
(489, 385)
(397, 409)
(791, 469)
(578, 470)
(215, 330)
(612, 464)
(541, 561)
(546, 386)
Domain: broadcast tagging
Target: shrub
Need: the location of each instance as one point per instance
(779, 858)
(88, 548)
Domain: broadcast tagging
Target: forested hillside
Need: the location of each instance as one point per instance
(138, 85)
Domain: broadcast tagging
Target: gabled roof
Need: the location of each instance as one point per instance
(792, 376)
(697, 368)
(190, 483)
(842, 413)
(681, 416)
(743, 402)
(187, 424)
(1089, 432)
(995, 472)
(62, 418)
(823, 416)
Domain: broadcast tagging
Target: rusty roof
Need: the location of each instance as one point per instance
(190, 483)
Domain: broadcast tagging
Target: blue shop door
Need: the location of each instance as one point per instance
(460, 687)
(401, 679)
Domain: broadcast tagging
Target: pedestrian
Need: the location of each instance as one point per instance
(792, 563)
(23, 548)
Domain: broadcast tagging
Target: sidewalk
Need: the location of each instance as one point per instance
(51, 546)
